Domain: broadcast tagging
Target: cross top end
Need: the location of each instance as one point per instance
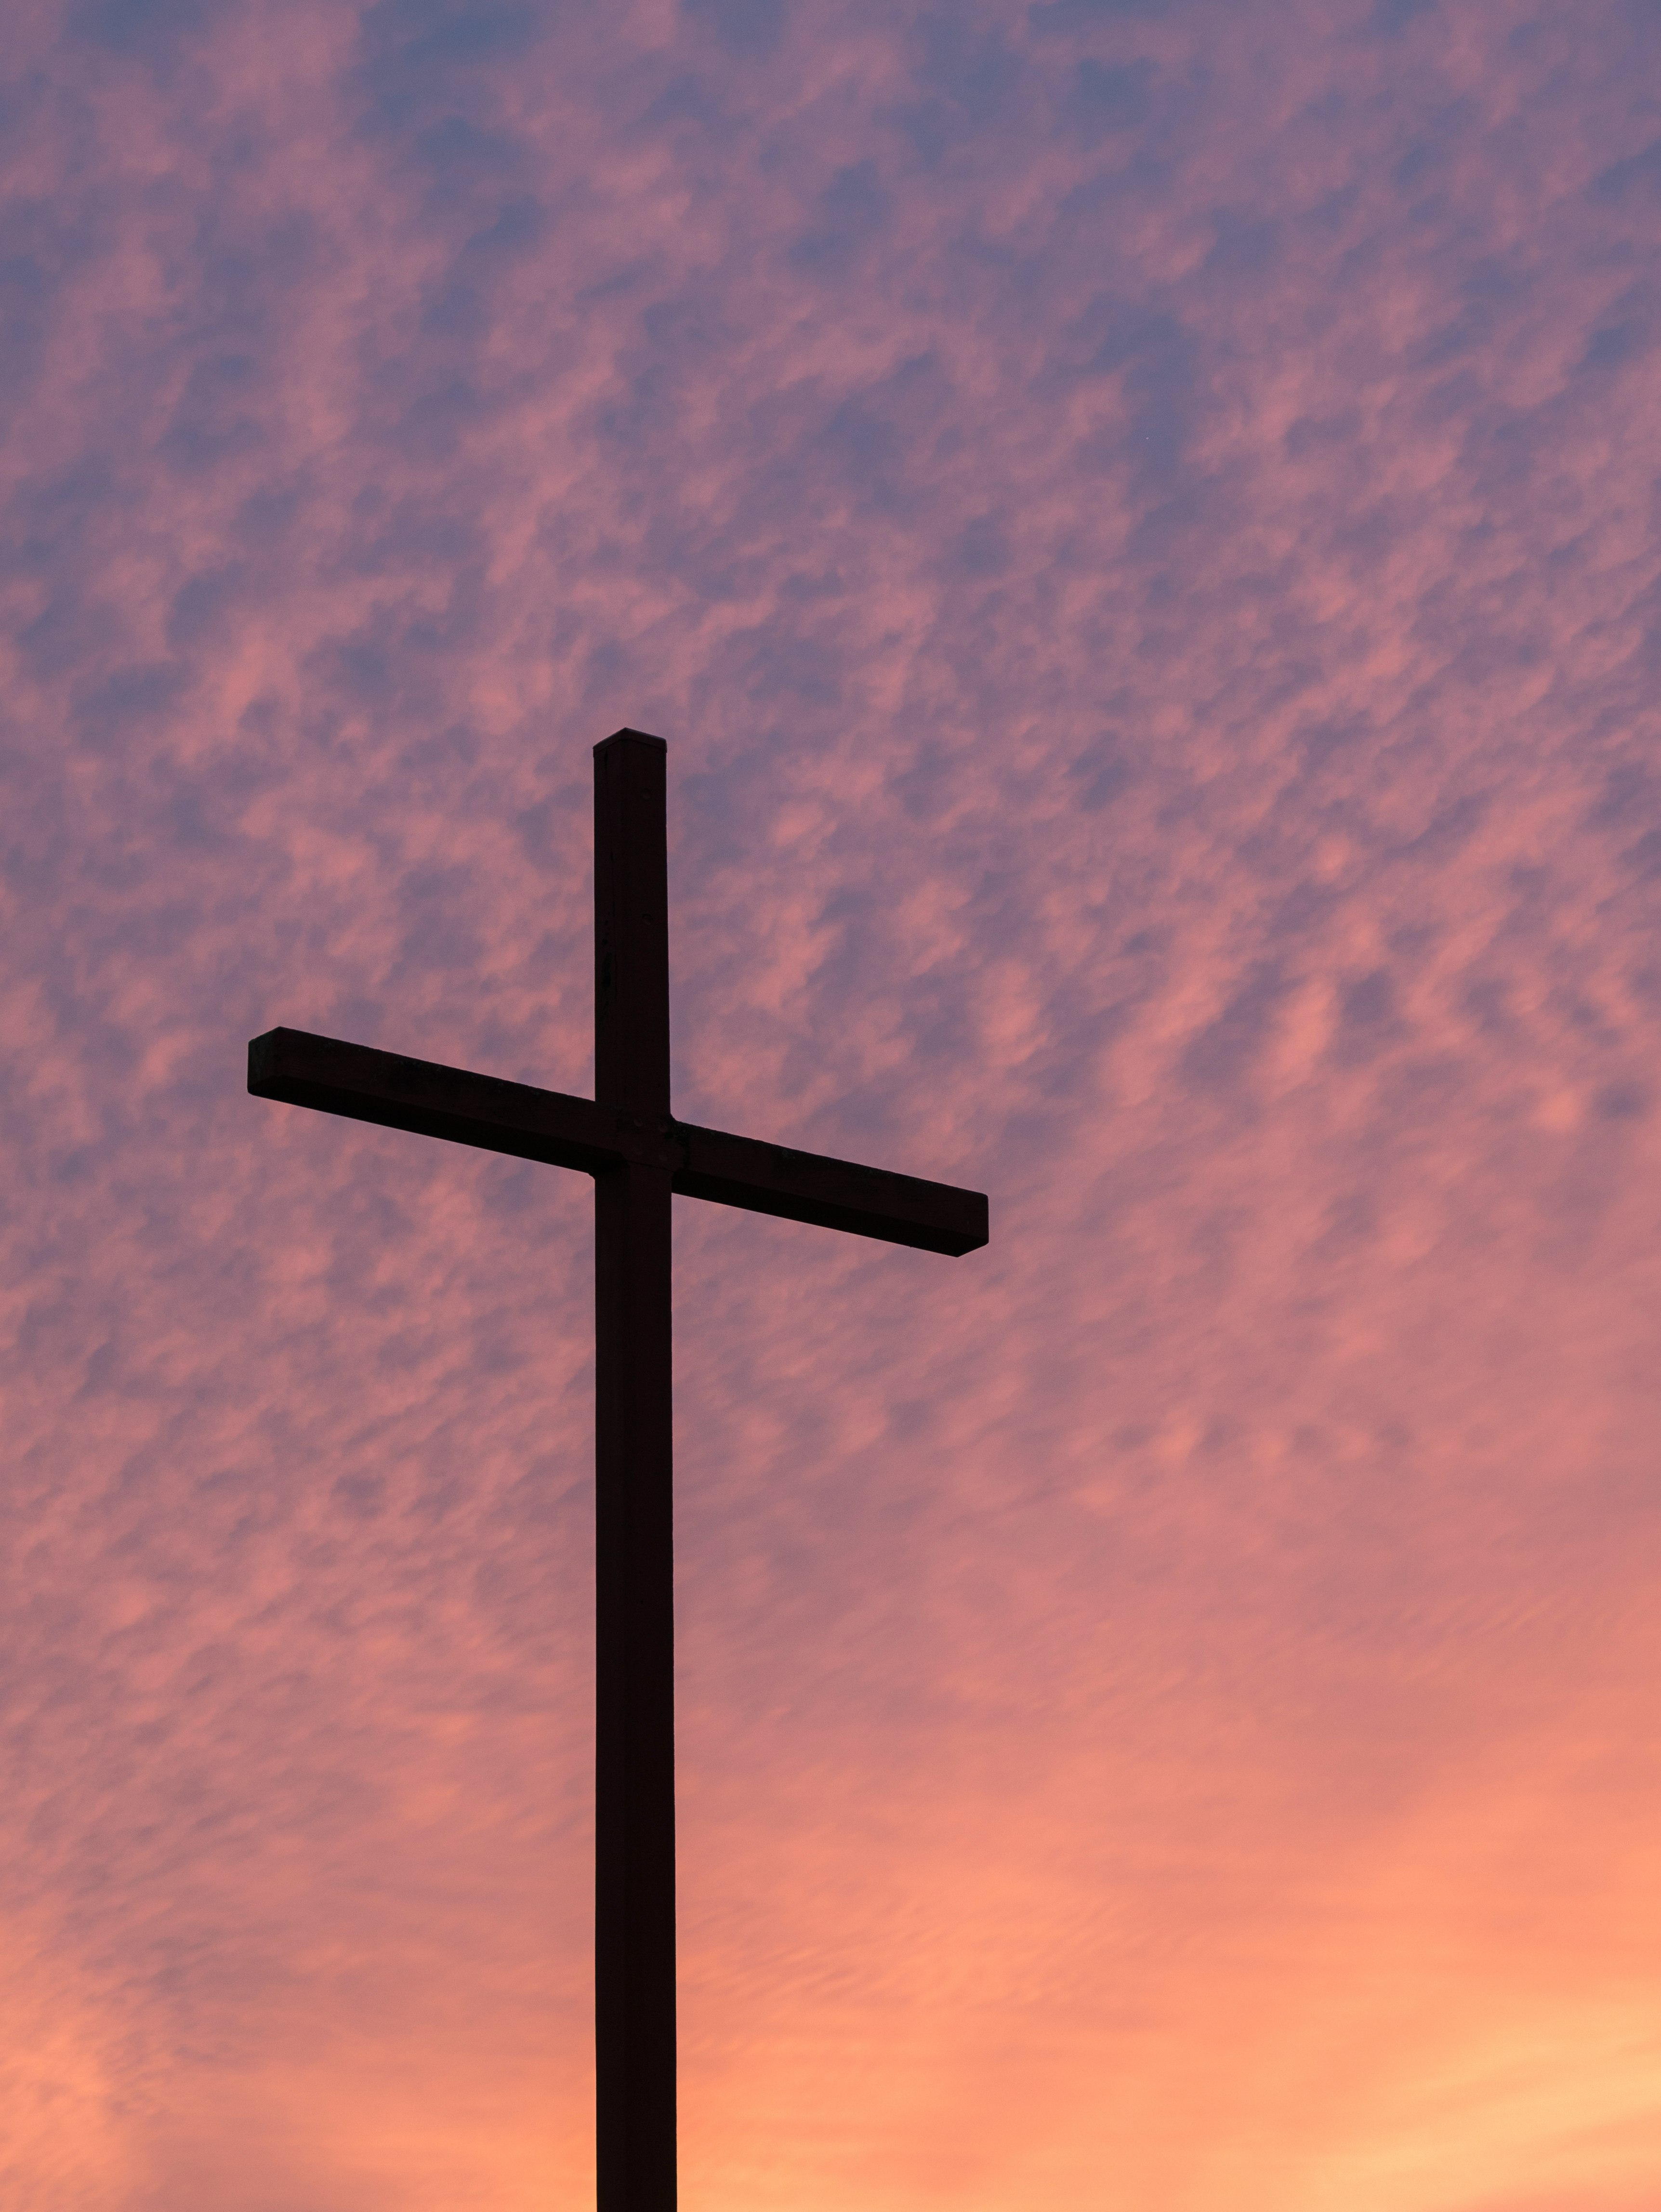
(631, 737)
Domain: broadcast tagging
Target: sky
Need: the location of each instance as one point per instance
(1136, 519)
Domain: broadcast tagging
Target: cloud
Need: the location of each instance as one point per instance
(1134, 521)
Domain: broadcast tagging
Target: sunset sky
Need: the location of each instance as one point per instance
(1137, 520)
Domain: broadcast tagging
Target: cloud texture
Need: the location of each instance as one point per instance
(1137, 518)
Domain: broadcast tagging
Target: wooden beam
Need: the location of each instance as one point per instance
(433, 1100)
(552, 1127)
(931, 1217)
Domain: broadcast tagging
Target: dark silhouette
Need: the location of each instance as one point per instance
(638, 1155)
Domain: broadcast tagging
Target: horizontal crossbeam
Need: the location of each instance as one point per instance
(549, 1126)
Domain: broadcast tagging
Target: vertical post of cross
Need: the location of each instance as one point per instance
(634, 1657)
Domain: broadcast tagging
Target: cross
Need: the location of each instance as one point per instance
(639, 1157)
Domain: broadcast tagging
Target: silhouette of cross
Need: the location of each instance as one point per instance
(639, 1156)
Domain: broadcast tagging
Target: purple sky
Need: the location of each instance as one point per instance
(1136, 519)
